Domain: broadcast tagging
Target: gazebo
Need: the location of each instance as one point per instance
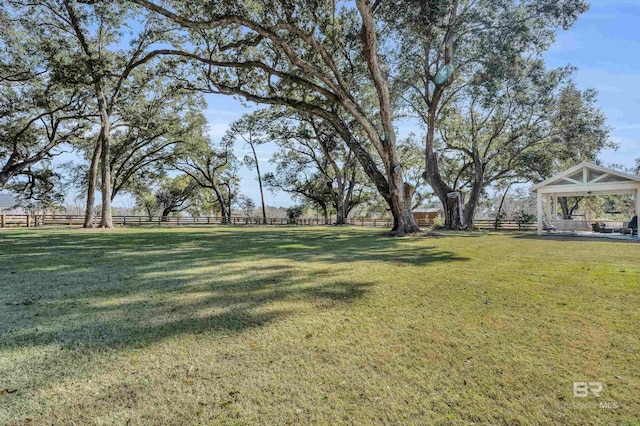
(584, 179)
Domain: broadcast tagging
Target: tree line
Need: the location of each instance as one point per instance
(122, 83)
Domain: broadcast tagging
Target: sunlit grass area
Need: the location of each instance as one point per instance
(315, 326)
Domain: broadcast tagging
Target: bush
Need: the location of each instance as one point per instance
(294, 212)
(523, 218)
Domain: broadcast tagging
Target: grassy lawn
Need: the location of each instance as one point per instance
(315, 326)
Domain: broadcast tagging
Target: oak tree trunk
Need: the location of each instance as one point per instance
(165, 213)
(91, 185)
(223, 207)
(567, 209)
(403, 220)
(106, 220)
(341, 213)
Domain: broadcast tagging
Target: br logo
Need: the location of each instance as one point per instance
(582, 389)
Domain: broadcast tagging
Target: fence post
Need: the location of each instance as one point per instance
(28, 220)
(3, 220)
(177, 220)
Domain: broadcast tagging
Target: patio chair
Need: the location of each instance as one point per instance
(598, 227)
(547, 226)
(625, 228)
(633, 225)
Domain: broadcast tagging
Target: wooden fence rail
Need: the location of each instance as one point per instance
(13, 220)
(505, 225)
(21, 220)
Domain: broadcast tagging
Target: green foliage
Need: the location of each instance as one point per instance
(295, 212)
(213, 167)
(153, 119)
(246, 206)
(38, 189)
(315, 165)
(38, 113)
(523, 218)
(343, 74)
(173, 194)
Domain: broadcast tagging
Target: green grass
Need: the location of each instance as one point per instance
(315, 326)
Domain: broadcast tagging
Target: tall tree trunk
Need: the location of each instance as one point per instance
(223, 207)
(452, 215)
(452, 218)
(504, 196)
(103, 109)
(474, 195)
(404, 222)
(92, 179)
(264, 211)
(567, 211)
(451, 206)
(564, 206)
(106, 220)
(341, 213)
(470, 212)
(165, 213)
(340, 200)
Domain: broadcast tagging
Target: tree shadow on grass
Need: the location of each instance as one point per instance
(67, 296)
(83, 289)
(155, 306)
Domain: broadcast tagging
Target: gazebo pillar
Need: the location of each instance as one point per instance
(539, 211)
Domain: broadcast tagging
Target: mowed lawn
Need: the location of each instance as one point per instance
(315, 326)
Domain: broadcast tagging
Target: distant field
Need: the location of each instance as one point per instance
(315, 326)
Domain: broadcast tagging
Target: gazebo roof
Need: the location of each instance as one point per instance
(587, 178)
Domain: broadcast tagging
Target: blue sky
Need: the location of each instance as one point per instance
(605, 46)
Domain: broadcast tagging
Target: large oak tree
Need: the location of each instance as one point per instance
(320, 58)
